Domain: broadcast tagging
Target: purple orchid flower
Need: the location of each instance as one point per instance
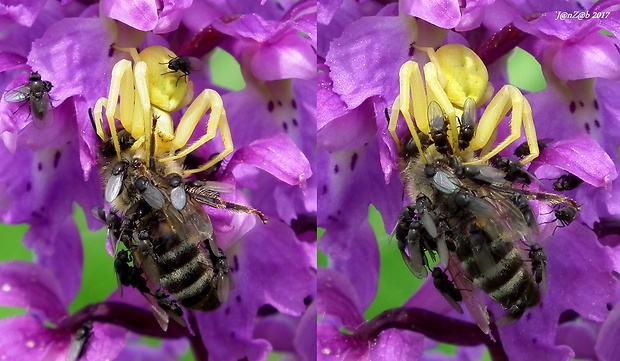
(361, 50)
(272, 121)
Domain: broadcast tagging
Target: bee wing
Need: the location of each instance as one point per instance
(191, 222)
(442, 250)
(18, 94)
(160, 314)
(42, 111)
(477, 309)
(497, 215)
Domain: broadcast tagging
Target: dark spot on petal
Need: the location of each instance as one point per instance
(294, 104)
(387, 114)
(227, 311)
(336, 168)
(279, 103)
(245, 358)
(580, 5)
(285, 126)
(40, 166)
(270, 106)
(609, 306)
(110, 52)
(332, 218)
(587, 126)
(567, 316)
(294, 122)
(324, 190)
(596, 123)
(353, 161)
(236, 262)
(28, 186)
(411, 49)
(238, 298)
(595, 104)
(304, 222)
(36, 215)
(572, 107)
(307, 300)
(266, 310)
(581, 103)
(528, 316)
(535, 340)
(56, 159)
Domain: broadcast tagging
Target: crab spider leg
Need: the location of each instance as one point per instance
(508, 96)
(412, 130)
(98, 118)
(120, 79)
(142, 121)
(208, 99)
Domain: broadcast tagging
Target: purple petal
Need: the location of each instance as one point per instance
(305, 340)
(362, 265)
(366, 59)
(105, 342)
(44, 191)
(26, 338)
(333, 345)
(276, 155)
(282, 53)
(583, 157)
(83, 71)
(22, 12)
(30, 286)
(170, 16)
(337, 299)
(608, 342)
(580, 335)
(169, 350)
(140, 14)
(586, 289)
(391, 344)
(269, 267)
(347, 186)
(592, 57)
(443, 13)
(351, 130)
(61, 253)
(10, 61)
(394, 344)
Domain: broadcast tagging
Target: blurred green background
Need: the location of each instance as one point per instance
(524, 72)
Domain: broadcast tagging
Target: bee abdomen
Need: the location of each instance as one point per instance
(189, 277)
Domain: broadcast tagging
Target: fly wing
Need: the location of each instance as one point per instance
(18, 94)
(42, 111)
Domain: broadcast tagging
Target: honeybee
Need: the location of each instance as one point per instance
(157, 216)
(476, 218)
(36, 92)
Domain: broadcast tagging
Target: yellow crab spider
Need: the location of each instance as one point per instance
(150, 91)
(454, 74)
